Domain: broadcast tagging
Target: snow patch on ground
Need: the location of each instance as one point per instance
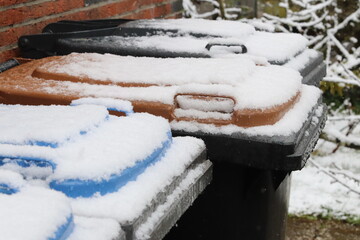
(315, 193)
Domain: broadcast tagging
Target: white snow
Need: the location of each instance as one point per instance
(34, 213)
(301, 60)
(250, 85)
(130, 201)
(314, 193)
(31, 124)
(152, 94)
(147, 227)
(155, 71)
(196, 114)
(95, 229)
(11, 179)
(205, 104)
(277, 47)
(291, 122)
(109, 103)
(107, 150)
(216, 28)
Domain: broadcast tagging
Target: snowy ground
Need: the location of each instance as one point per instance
(315, 193)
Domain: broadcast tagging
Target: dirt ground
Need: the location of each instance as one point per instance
(320, 229)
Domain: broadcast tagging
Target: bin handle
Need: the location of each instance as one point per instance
(243, 47)
(111, 104)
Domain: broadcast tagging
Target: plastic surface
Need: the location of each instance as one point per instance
(8, 64)
(7, 189)
(65, 230)
(86, 188)
(74, 187)
(65, 37)
(286, 153)
(240, 203)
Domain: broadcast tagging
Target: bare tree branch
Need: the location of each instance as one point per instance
(333, 176)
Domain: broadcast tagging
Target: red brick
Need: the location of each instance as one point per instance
(11, 35)
(156, 12)
(6, 55)
(21, 14)
(174, 16)
(4, 3)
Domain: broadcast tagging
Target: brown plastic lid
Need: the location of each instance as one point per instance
(31, 84)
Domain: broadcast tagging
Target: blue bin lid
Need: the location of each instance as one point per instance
(101, 160)
(40, 213)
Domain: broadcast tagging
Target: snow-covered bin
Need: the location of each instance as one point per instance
(258, 120)
(237, 99)
(36, 213)
(176, 38)
(128, 169)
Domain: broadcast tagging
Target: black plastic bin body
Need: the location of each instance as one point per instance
(249, 194)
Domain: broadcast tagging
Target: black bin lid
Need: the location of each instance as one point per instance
(117, 36)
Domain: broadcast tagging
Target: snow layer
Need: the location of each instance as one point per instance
(157, 71)
(276, 47)
(109, 103)
(152, 94)
(314, 193)
(130, 201)
(39, 124)
(291, 122)
(215, 28)
(11, 179)
(205, 104)
(250, 85)
(106, 150)
(143, 232)
(301, 60)
(95, 229)
(34, 213)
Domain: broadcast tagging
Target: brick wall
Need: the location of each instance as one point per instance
(22, 17)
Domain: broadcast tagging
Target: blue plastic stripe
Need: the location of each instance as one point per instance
(65, 230)
(86, 188)
(27, 161)
(6, 189)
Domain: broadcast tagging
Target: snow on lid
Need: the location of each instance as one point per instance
(161, 42)
(47, 125)
(267, 87)
(255, 86)
(291, 122)
(131, 200)
(120, 142)
(260, 25)
(181, 45)
(276, 47)
(301, 60)
(152, 94)
(158, 71)
(146, 228)
(34, 213)
(95, 229)
(109, 103)
(12, 179)
(202, 26)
